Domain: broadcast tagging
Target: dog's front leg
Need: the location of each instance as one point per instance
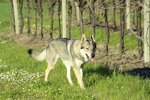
(76, 70)
(69, 75)
(81, 72)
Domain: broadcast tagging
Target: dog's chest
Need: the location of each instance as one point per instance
(79, 62)
(72, 63)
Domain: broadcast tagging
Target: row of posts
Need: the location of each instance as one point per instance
(146, 24)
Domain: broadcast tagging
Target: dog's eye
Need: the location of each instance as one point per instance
(82, 47)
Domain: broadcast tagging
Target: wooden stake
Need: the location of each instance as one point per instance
(16, 16)
(64, 18)
(146, 31)
(128, 13)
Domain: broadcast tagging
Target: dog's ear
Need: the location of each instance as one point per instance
(83, 38)
(92, 38)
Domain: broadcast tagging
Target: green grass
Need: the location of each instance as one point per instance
(21, 77)
(5, 16)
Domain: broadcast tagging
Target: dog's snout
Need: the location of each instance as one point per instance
(93, 55)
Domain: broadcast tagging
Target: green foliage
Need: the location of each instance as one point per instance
(21, 77)
(5, 16)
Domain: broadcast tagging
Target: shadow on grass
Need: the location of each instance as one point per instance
(105, 71)
(141, 72)
(101, 70)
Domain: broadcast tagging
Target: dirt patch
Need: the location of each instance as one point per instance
(128, 61)
(27, 40)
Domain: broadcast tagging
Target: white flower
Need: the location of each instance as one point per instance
(19, 76)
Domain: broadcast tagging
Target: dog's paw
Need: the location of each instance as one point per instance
(48, 83)
(82, 88)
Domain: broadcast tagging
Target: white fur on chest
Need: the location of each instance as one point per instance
(71, 63)
(79, 62)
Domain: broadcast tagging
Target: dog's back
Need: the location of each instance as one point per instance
(62, 47)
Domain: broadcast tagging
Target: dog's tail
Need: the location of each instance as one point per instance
(36, 55)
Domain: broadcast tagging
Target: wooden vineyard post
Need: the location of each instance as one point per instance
(139, 30)
(35, 16)
(21, 24)
(28, 17)
(77, 12)
(41, 18)
(146, 31)
(106, 25)
(51, 14)
(64, 18)
(122, 26)
(13, 17)
(128, 14)
(16, 16)
(114, 14)
(69, 17)
(59, 24)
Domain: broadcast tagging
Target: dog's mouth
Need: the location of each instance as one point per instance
(87, 56)
(92, 59)
(93, 55)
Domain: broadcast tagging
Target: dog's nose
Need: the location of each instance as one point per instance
(93, 55)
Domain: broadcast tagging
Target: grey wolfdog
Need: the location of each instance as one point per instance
(73, 53)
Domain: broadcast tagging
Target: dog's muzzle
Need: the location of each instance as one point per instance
(87, 56)
(93, 55)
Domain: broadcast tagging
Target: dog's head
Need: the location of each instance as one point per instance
(88, 47)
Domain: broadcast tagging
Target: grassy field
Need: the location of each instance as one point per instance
(5, 16)
(21, 77)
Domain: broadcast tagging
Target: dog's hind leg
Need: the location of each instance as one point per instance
(51, 62)
(49, 68)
